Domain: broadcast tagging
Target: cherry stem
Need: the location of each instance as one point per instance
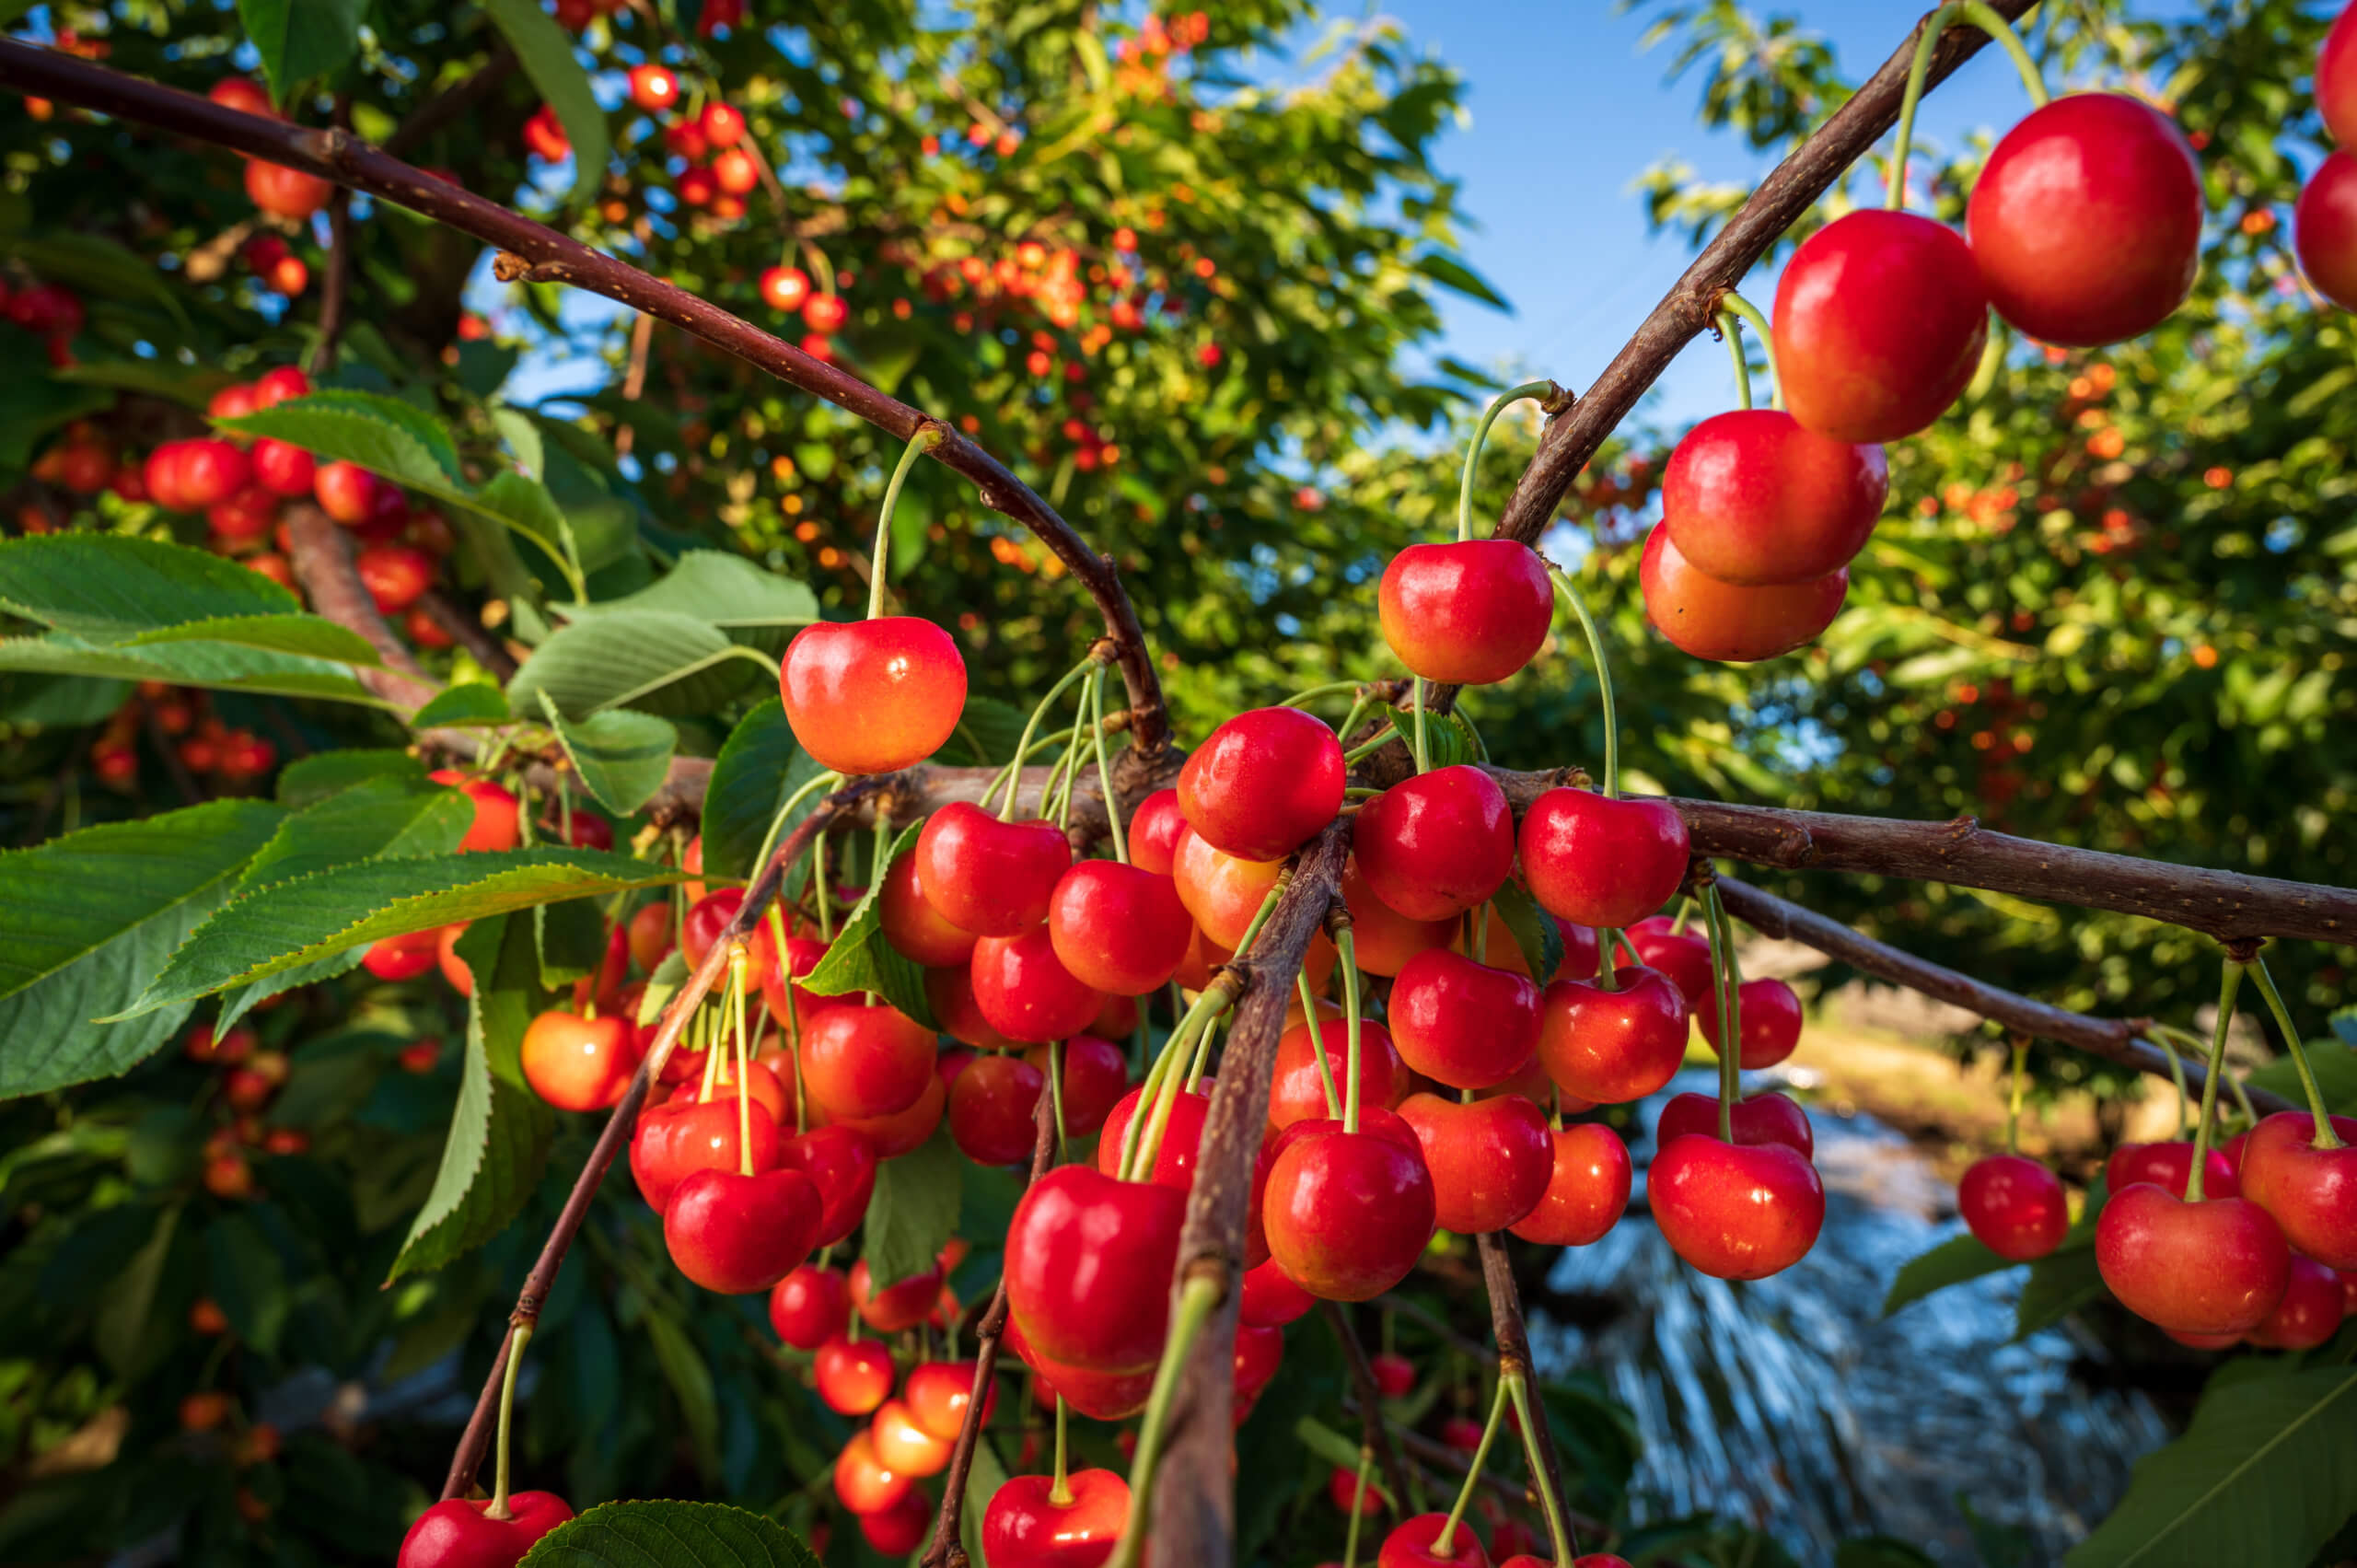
(1358, 1509)
(792, 1016)
(1214, 1000)
(1603, 680)
(927, 437)
(1724, 984)
(1318, 1045)
(2176, 1070)
(1349, 948)
(1685, 917)
(1629, 948)
(1350, 720)
(1503, 401)
(1558, 1527)
(818, 886)
(1742, 310)
(1423, 761)
(1011, 775)
(518, 1335)
(828, 781)
(1919, 71)
(2327, 1138)
(1731, 334)
(1068, 765)
(1197, 1297)
(2014, 1104)
(1056, 1093)
(1303, 698)
(744, 1085)
(1606, 976)
(2227, 986)
(700, 1028)
(1473, 1471)
(1104, 771)
(1376, 742)
(1059, 1488)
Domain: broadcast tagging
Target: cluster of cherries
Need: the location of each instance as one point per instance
(252, 1077)
(232, 759)
(49, 311)
(2324, 222)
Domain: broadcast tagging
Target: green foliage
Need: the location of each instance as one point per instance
(1952, 1262)
(622, 757)
(756, 777)
(914, 1211)
(670, 1535)
(860, 959)
(545, 51)
(300, 40)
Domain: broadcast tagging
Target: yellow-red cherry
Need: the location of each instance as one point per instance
(1116, 928)
(873, 696)
(1770, 1025)
(1879, 323)
(1468, 611)
(1587, 1187)
(989, 877)
(1262, 784)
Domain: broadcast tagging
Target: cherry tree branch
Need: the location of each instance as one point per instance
(1514, 1352)
(1379, 1430)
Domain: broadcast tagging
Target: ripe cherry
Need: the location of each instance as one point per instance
(345, 492)
(494, 827)
(1770, 1025)
(1117, 928)
(1684, 956)
(853, 1377)
(916, 930)
(1751, 497)
(892, 1136)
(1025, 1527)
(1600, 862)
(1467, 612)
(2217, 1266)
(404, 957)
(1088, 1266)
(2014, 1206)
(242, 94)
(1343, 1491)
(986, 876)
(810, 1306)
(282, 468)
(939, 1393)
(950, 994)
(653, 88)
(1879, 323)
(1719, 621)
(991, 1110)
(1096, 1075)
(1767, 1118)
(396, 575)
(825, 313)
(1736, 1211)
(1222, 891)
(285, 192)
(580, 1064)
(2310, 1312)
(1490, 1161)
(1463, 1024)
(863, 1483)
(1025, 991)
(1387, 940)
(865, 1060)
(2168, 1166)
(2337, 80)
(901, 1445)
(1434, 845)
(674, 1141)
(1262, 784)
(1348, 1214)
(736, 1234)
(1271, 1299)
(460, 1533)
(1298, 1091)
(873, 696)
(841, 1162)
(1154, 827)
(1395, 1375)
(1609, 1046)
(1587, 1188)
(1174, 1160)
(1100, 1396)
(1259, 1352)
(2310, 1192)
(784, 288)
(544, 137)
(1414, 1542)
(897, 1531)
(2324, 230)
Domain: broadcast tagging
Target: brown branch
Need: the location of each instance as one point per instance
(468, 632)
(1514, 1351)
(1194, 1498)
(321, 554)
(541, 254)
(2115, 1040)
(335, 294)
(1379, 1430)
(453, 101)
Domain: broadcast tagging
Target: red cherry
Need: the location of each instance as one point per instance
(825, 313)
(2310, 1192)
(212, 470)
(1879, 323)
(544, 137)
(2013, 1205)
(784, 288)
(1684, 956)
(991, 878)
(1462, 1433)
(1025, 991)
(244, 95)
(1386, 940)
(864, 1060)
(1587, 1188)
(863, 1483)
(2086, 220)
(1770, 1025)
(1096, 1075)
(810, 1306)
(841, 1162)
(494, 827)
(1490, 1161)
(1088, 1266)
(2214, 1267)
(1271, 1299)
(1736, 1211)
(1259, 1352)
(950, 994)
(940, 1392)
(653, 88)
(459, 1533)
(1463, 1024)
(1719, 621)
(1222, 891)
(2168, 1166)
(991, 1106)
(1100, 1396)
(1468, 613)
(901, 1445)
(1599, 862)
(1765, 1117)
(1173, 1161)
(1298, 1092)
(2324, 230)
(1413, 1543)
(578, 1063)
(1263, 783)
(802, 955)
(1750, 497)
(873, 696)
(1154, 827)
(916, 930)
(736, 1234)
(2337, 80)
(1395, 1375)
(344, 491)
(1348, 1214)
(1609, 1046)
(395, 576)
(1117, 928)
(1435, 845)
(2310, 1312)
(674, 1141)
(1024, 1527)
(897, 1531)
(285, 192)
(404, 957)
(275, 386)
(735, 172)
(853, 1377)
(1342, 1489)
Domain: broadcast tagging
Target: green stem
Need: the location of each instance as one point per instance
(2227, 986)
(1919, 72)
(1149, 1094)
(1730, 1009)
(1358, 1508)
(1056, 1092)
(1473, 1471)
(744, 1061)
(1104, 772)
(1731, 330)
(1350, 720)
(1197, 1297)
(1318, 1045)
(1607, 973)
(1059, 1488)
(2176, 1073)
(784, 812)
(1603, 680)
(1379, 739)
(1503, 401)
(1011, 775)
(518, 1335)
(1352, 1025)
(2327, 1138)
(1422, 761)
(1559, 1524)
(1208, 1006)
(1749, 313)
(823, 894)
(1070, 762)
(1260, 916)
(793, 1018)
(925, 441)
(1302, 698)
(2014, 1103)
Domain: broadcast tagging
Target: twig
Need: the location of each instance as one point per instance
(335, 293)
(1379, 1430)
(642, 339)
(1514, 1350)
(467, 632)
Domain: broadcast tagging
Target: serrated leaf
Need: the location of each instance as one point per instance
(1533, 930)
(662, 985)
(470, 703)
(2261, 1478)
(545, 51)
(1950, 1264)
(314, 636)
(217, 666)
(2059, 1284)
(758, 770)
(307, 918)
(1449, 738)
(860, 959)
(986, 733)
(720, 589)
(621, 757)
(85, 919)
(914, 1211)
(308, 780)
(299, 39)
(111, 588)
(670, 1535)
(655, 661)
(2334, 1063)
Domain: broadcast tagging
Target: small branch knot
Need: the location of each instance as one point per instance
(1557, 401)
(1700, 874)
(2244, 949)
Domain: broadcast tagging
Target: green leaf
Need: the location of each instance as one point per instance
(621, 756)
(545, 51)
(111, 588)
(101, 267)
(689, 1375)
(2343, 1024)
(216, 666)
(300, 40)
(294, 921)
(1449, 738)
(87, 917)
(2261, 1478)
(470, 702)
(758, 770)
(32, 406)
(248, 1278)
(1452, 273)
(1950, 1264)
(662, 985)
(860, 959)
(2059, 1284)
(308, 780)
(658, 662)
(313, 637)
(720, 589)
(983, 1478)
(2332, 1061)
(1330, 1446)
(670, 1535)
(122, 1331)
(914, 1211)
(1533, 929)
(986, 733)
(191, 388)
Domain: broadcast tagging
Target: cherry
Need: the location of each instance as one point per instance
(1770, 1024)
(580, 1064)
(1259, 1352)
(1879, 323)
(899, 1530)
(404, 957)
(1222, 891)
(2218, 1266)
(494, 827)
(1600, 862)
(873, 696)
(950, 993)
(802, 956)
(1435, 845)
(2311, 1192)
(1413, 1543)
(1765, 1117)
(1463, 1024)
(853, 1377)
(1587, 1188)
(1348, 1214)
(916, 930)
(1343, 1490)
(841, 1162)
(824, 313)
(1298, 1091)
(282, 469)
(246, 96)
(459, 1533)
(865, 1060)
(1490, 1161)
(989, 877)
(674, 1141)
(1025, 1527)
(1684, 956)
(285, 192)
(940, 1392)
(649, 935)
(1719, 621)
(278, 385)
(1609, 1047)
(1025, 991)
(1736, 1211)
(863, 1483)
(991, 1108)
(2014, 1206)
(2337, 80)
(1468, 613)
(1384, 939)
(544, 137)
(901, 1445)
(734, 1234)
(1750, 497)
(1395, 1375)
(2168, 1166)
(1117, 928)
(1088, 1266)
(707, 921)
(810, 1306)
(892, 1136)
(653, 88)
(2310, 1312)
(903, 1304)
(1100, 1396)
(784, 288)
(1271, 1299)
(1154, 827)
(345, 492)
(1263, 783)
(1096, 1075)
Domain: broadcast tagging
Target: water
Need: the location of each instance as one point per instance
(1790, 1403)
